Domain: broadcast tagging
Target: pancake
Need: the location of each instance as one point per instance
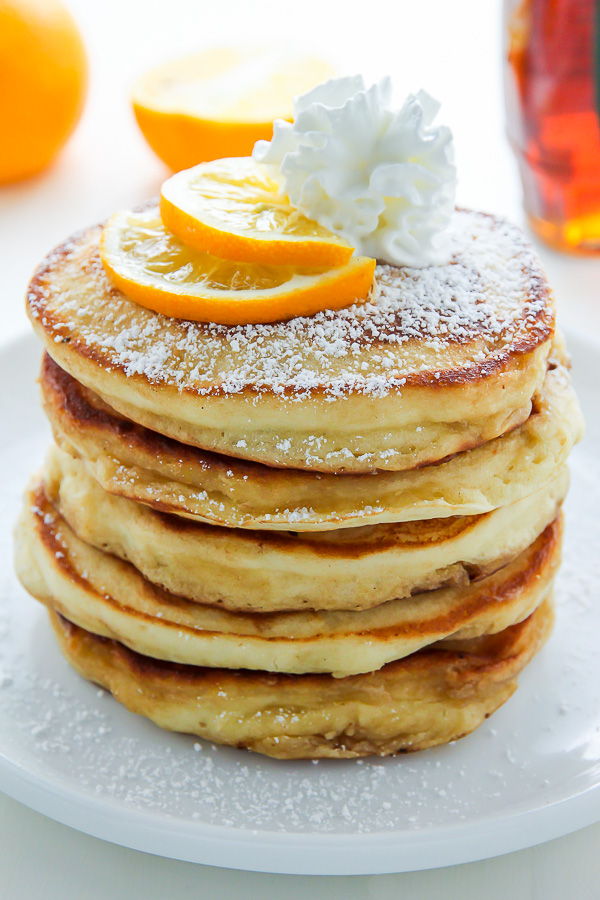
(431, 698)
(263, 571)
(133, 462)
(111, 598)
(439, 360)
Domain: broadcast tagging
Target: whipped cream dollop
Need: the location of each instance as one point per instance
(381, 178)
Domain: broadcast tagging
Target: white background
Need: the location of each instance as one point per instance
(452, 48)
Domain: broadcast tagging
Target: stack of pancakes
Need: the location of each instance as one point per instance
(333, 536)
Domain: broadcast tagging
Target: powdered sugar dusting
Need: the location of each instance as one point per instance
(491, 296)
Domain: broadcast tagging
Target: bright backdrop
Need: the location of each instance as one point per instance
(452, 49)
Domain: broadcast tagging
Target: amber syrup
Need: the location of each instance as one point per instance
(553, 100)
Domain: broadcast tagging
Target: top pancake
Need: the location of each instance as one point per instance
(439, 360)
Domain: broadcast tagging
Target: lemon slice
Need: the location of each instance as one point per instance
(232, 208)
(220, 102)
(158, 271)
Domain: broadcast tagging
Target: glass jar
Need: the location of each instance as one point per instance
(552, 91)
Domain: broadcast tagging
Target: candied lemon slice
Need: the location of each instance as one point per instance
(232, 208)
(220, 102)
(158, 271)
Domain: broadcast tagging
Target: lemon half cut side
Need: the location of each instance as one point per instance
(218, 103)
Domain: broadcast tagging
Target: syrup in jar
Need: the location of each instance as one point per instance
(552, 90)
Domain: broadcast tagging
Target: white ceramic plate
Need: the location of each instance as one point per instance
(529, 774)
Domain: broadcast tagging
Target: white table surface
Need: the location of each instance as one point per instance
(452, 49)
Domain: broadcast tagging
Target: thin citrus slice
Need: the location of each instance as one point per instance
(220, 102)
(232, 208)
(156, 270)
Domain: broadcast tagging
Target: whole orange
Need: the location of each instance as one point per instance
(43, 80)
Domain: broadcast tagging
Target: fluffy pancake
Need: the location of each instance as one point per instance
(440, 360)
(431, 698)
(264, 571)
(131, 461)
(109, 597)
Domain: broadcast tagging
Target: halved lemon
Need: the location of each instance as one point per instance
(232, 208)
(220, 102)
(158, 271)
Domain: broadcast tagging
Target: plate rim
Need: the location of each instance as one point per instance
(374, 853)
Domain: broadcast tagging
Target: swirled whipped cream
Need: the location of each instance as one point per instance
(381, 178)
